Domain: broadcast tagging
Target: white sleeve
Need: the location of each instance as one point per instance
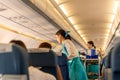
(72, 51)
(58, 50)
(67, 46)
(36, 74)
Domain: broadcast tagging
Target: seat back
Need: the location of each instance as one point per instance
(13, 62)
(44, 58)
(107, 64)
(62, 62)
(108, 59)
(108, 74)
(115, 58)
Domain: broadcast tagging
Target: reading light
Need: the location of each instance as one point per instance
(63, 9)
(71, 20)
(112, 18)
(76, 27)
(110, 26)
(116, 6)
(57, 1)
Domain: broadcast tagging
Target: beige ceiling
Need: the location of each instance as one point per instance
(92, 19)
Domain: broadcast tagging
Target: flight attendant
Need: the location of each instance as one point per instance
(92, 69)
(76, 69)
(91, 49)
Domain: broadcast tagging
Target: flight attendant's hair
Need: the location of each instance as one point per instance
(64, 34)
(92, 43)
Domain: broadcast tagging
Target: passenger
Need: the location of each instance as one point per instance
(34, 73)
(20, 43)
(47, 45)
(102, 68)
(101, 53)
(76, 69)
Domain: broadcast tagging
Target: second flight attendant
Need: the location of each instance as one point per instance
(91, 50)
(76, 69)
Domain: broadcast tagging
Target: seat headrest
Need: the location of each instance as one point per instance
(115, 58)
(13, 59)
(5, 48)
(38, 50)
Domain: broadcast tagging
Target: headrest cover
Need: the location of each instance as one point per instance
(13, 77)
(36, 50)
(5, 48)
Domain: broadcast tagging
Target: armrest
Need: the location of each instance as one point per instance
(13, 77)
(108, 74)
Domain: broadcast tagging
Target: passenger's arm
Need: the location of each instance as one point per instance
(36, 74)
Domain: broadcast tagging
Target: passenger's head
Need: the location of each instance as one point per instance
(45, 45)
(20, 43)
(90, 44)
(62, 35)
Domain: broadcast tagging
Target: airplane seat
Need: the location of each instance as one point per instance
(13, 62)
(115, 62)
(107, 70)
(44, 59)
(107, 64)
(62, 62)
(108, 59)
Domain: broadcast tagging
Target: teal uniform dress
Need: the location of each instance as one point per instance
(76, 68)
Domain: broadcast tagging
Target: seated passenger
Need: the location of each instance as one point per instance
(34, 73)
(47, 45)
